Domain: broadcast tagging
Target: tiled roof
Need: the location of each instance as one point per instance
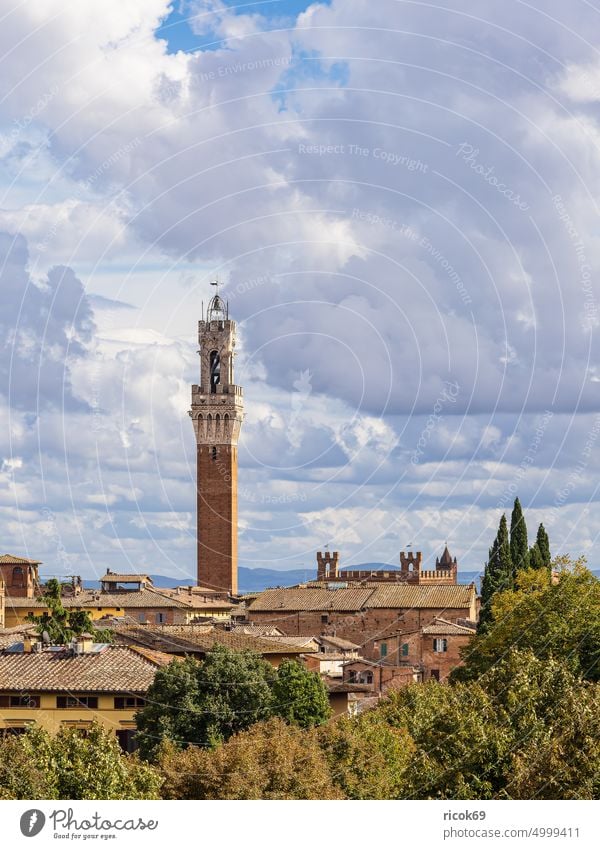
(440, 626)
(146, 598)
(395, 596)
(305, 643)
(370, 596)
(200, 639)
(10, 636)
(259, 630)
(115, 577)
(114, 669)
(18, 561)
(344, 645)
(311, 598)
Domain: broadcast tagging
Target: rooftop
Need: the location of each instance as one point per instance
(440, 626)
(200, 639)
(116, 578)
(111, 669)
(18, 561)
(318, 597)
(145, 598)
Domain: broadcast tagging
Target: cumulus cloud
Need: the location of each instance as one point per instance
(396, 202)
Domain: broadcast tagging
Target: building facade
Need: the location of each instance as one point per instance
(361, 614)
(217, 411)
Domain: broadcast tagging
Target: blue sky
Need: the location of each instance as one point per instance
(402, 208)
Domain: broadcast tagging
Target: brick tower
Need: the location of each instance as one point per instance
(217, 417)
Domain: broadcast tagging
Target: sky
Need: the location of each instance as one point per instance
(399, 199)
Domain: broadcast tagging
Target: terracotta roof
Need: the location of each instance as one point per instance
(259, 630)
(18, 561)
(200, 639)
(115, 577)
(10, 636)
(395, 595)
(369, 596)
(440, 626)
(94, 598)
(306, 643)
(344, 645)
(113, 669)
(311, 598)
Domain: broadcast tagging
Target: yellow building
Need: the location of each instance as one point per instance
(130, 596)
(58, 686)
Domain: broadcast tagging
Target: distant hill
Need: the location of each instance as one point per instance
(255, 580)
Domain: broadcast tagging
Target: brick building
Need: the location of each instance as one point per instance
(20, 576)
(361, 614)
(411, 570)
(434, 649)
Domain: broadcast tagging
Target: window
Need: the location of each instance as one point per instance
(367, 677)
(17, 577)
(215, 370)
(383, 649)
(324, 619)
(160, 618)
(22, 701)
(214, 452)
(77, 702)
(126, 738)
(440, 644)
(435, 674)
(12, 730)
(404, 649)
(128, 703)
(352, 675)
(142, 618)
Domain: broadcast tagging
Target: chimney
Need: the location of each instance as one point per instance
(84, 643)
(27, 644)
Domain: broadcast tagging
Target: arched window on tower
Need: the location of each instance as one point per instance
(214, 452)
(215, 370)
(17, 577)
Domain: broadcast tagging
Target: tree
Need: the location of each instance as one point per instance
(498, 572)
(554, 619)
(271, 760)
(554, 720)
(72, 765)
(300, 696)
(543, 543)
(535, 557)
(203, 704)
(367, 756)
(60, 624)
(519, 551)
(459, 748)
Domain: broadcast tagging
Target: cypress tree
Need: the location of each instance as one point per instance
(543, 543)
(498, 573)
(519, 551)
(535, 557)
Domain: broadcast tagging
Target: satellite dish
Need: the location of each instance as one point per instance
(46, 638)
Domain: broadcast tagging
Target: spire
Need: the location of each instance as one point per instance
(446, 558)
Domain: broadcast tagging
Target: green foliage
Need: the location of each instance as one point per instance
(552, 619)
(543, 544)
(26, 766)
(367, 756)
(535, 557)
(498, 573)
(62, 625)
(271, 760)
(300, 696)
(459, 749)
(203, 704)
(519, 550)
(73, 765)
